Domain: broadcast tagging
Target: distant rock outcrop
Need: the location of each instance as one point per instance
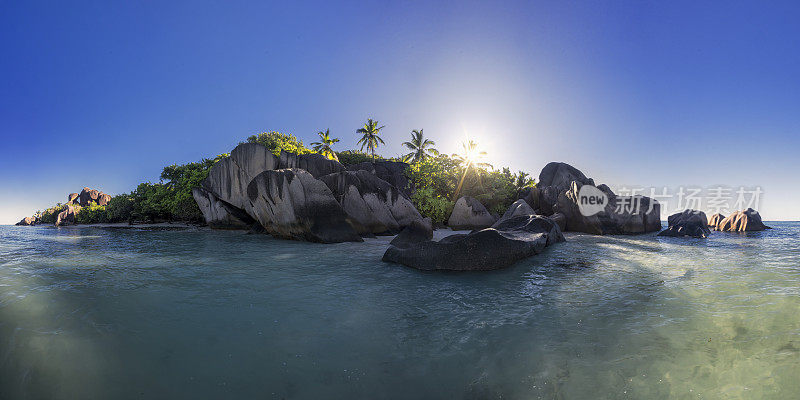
(88, 196)
(559, 191)
(306, 197)
(27, 221)
(691, 223)
(492, 248)
(742, 221)
(468, 214)
(714, 221)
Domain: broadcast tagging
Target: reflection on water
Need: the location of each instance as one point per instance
(89, 313)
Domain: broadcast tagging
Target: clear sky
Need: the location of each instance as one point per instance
(653, 94)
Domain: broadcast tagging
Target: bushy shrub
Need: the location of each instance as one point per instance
(120, 208)
(350, 157)
(430, 205)
(276, 141)
(91, 214)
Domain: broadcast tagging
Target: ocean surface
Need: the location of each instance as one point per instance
(88, 313)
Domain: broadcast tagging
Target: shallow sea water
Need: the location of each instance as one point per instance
(100, 313)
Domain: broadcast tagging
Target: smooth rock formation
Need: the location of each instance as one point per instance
(469, 214)
(389, 171)
(492, 248)
(72, 197)
(315, 164)
(519, 207)
(742, 221)
(418, 231)
(219, 214)
(67, 216)
(560, 191)
(691, 223)
(714, 221)
(373, 206)
(292, 204)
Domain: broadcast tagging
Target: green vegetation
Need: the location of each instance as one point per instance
(350, 157)
(420, 147)
(324, 145)
(276, 141)
(370, 137)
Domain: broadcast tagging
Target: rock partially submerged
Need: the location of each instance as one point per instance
(742, 221)
(561, 191)
(519, 207)
(690, 223)
(492, 248)
(291, 204)
(389, 171)
(469, 214)
(418, 231)
(714, 221)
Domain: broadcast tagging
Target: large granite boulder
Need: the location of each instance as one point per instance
(492, 248)
(66, 216)
(373, 206)
(691, 223)
(519, 207)
(228, 178)
(292, 204)
(393, 172)
(218, 214)
(418, 231)
(72, 197)
(315, 164)
(468, 214)
(742, 221)
(563, 189)
(714, 221)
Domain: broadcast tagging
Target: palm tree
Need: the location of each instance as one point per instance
(469, 159)
(324, 145)
(370, 138)
(420, 147)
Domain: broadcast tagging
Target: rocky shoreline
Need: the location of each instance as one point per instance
(312, 198)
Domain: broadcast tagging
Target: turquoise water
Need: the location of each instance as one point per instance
(93, 314)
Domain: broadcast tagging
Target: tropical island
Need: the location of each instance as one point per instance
(272, 183)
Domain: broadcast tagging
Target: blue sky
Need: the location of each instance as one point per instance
(104, 94)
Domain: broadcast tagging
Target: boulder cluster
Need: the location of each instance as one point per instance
(66, 216)
(305, 197)
(557, 195)
(693, 223)
(88, 196)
